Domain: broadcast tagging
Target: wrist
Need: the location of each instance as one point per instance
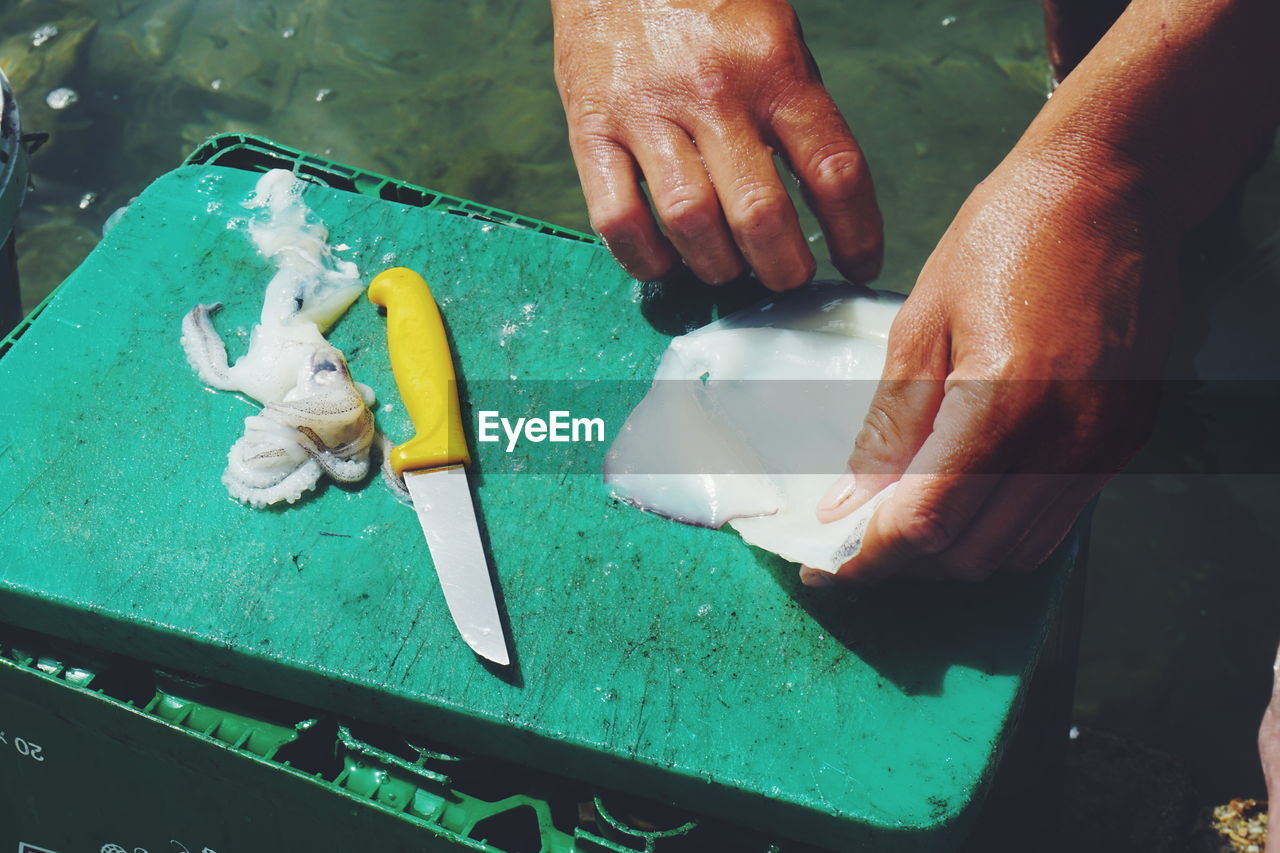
(1174, 105)
(1078, 180)
(1074, 161)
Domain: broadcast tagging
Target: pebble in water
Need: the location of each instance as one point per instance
(43, 34)
(61, 98)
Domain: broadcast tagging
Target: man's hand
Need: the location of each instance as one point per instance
(694, 98)
(1021, 373)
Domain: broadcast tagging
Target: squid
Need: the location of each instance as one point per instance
(750, 419)
(315, 418)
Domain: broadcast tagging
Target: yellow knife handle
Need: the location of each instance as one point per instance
(423, 369)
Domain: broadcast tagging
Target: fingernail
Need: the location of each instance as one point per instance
(816, 578)
(840, 491)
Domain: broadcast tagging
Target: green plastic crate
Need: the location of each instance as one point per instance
(97, 750)
(666, 661)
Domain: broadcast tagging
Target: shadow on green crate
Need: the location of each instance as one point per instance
(882, 623)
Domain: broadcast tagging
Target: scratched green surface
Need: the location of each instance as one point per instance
(673, 661)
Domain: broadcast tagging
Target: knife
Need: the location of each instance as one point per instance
(434, 462)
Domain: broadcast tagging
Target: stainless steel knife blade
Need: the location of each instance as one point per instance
(442, 499)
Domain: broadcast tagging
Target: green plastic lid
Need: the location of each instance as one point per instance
(665, 660)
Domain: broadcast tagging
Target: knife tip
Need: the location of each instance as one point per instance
(493, 649)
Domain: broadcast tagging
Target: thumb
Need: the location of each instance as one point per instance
(899, 420)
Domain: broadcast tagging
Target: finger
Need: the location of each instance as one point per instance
(897, 425)
(954, 473)
(1053, 525)
(687, 205)
(926, 514)
(835, 180)
(617, 207)
(756, 205)
(899, 418)
(1014, 511)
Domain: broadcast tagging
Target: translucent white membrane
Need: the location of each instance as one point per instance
(752, 418)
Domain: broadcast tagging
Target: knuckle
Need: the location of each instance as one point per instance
(779, 47)
(710, 78)
(773, 57)
(591, 119)
(925, 531)
(615, 223)
(710, 75)
(760, 209)
(688, 214)
(835, 171)
(881, 436)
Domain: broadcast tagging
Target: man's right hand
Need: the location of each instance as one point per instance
(694, 97)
